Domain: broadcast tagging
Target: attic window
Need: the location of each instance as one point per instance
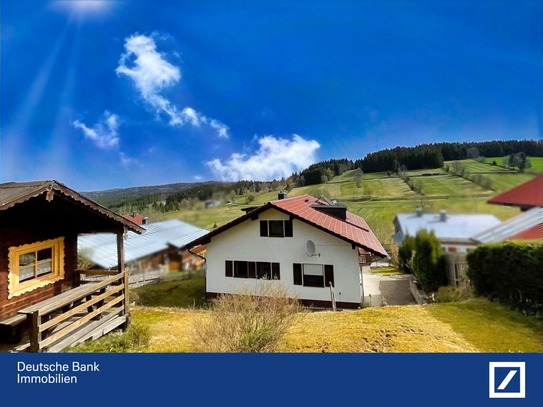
(35, 265)
(276, 228)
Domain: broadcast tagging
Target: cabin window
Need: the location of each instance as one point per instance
(276, 228)
(252, 269)
(35, 265)
(313, 275)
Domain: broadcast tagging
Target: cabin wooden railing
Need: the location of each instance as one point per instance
(91, 276)
(88, 311)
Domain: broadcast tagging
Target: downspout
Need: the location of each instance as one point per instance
(197, 255)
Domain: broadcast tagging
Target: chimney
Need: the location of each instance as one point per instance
(419, 212)
(144, 221)
(282, 195)
(443, 215)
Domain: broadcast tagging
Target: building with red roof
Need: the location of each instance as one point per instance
(527, 225)
(311, 245)
(525, 196)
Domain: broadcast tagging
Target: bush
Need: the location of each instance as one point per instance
(511, 272)
(428, 261)
(248, 321)
(405, 254)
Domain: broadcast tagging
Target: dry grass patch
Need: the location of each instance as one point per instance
(171, 328)
(469, 326)
(387, 329)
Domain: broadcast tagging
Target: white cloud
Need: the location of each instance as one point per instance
(152, 74)
(104, 133)
(126, 161)
(275, 158)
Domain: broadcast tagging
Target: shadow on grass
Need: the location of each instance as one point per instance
(490, 326)
(171, 293)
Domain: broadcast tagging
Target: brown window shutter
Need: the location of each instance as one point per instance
(264, 228)
(297, 271)
(275, 271)
(252, 269)
(228, 268)
(328, 275)
(288, 228)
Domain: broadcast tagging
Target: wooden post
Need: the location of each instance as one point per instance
(332, 297)
(120, 251)
(35, 334)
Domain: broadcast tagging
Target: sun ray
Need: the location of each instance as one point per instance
(81, 9)
(14, 133)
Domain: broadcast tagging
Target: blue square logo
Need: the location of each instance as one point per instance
(507, 379)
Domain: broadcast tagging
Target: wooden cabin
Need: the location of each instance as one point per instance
(39, 227)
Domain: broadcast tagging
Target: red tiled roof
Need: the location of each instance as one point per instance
(354, 229)
(137, 218)
(534, 233)
(527, 195)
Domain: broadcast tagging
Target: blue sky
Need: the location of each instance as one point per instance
(102, 94)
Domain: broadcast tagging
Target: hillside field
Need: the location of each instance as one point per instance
(380, 196)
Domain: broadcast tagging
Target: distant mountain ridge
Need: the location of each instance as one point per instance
(116, 194)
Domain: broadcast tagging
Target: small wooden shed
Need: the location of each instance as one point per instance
(39, 226)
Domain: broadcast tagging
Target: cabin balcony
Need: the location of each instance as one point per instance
(94, 308)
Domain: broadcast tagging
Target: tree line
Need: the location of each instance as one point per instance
(433, 155)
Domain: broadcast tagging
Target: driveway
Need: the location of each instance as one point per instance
(386, 290)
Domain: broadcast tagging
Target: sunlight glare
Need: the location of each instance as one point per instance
(82, 8)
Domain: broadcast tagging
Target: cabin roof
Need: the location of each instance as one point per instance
(15, 193)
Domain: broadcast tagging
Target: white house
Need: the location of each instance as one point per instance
(308, 244)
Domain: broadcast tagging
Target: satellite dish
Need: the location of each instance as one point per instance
(310, 249)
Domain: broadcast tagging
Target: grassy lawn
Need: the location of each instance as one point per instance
(518, 333)
(472, 326)
(476, 325)
(176, 293)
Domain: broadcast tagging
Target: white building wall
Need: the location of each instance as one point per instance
(456, 247)
(243, 242)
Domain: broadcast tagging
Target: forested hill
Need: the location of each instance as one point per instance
(433, 155)
(116, 197)
(418, 157)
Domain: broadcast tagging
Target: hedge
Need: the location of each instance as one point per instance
(510, 272)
